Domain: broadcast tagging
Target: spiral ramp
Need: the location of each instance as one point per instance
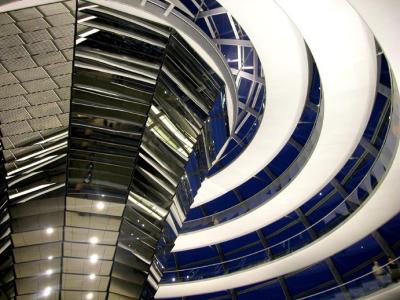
(99, 177)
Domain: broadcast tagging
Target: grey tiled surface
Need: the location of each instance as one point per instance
(35, 74)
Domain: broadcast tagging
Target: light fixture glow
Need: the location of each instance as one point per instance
(49, 272)
(93, 240)
(173, 279)
(89, 296)
(50, 230)
(92, 276)
(100, 205)
(93, 258)
(50, 257)
(47, 291)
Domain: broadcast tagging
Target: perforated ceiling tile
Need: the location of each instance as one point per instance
(19, 64)
(64, 119)
(32, 25)
(7, 78)
(6, 142)
(41, 47)
(2, 69)
(42, 97)
(11, 90)
(62, 31)
(15, 128)
(39, 85)
(45, 123)
(9, 29)
(49, 58)
(71, 5)
(69, 54)
(9, 116)
(31, 74)
(13, 52)
(13, 102)
(59, 69)
(25, 14)
(53, 9)
(36, 36)
(62, 19)
(44, 110)
(10, 41)
(63, 81)
(64, 105)
(5, 19)
(64, 43)
(64, 93)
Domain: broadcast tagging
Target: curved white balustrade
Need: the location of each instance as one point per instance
(382, 18)
(284, 59)
(344, 51)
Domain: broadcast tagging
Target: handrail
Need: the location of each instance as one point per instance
(348, 282)
(299, 161)
(380, 170)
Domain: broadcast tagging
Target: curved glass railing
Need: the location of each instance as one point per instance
(341, 212)
(270, 190)
(371, 282)
(246, 127)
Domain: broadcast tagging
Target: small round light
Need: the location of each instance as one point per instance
(187, 276)
(93, 240)
(89, 296)
(320, 194)
(142, 225)
(50, 257)
(50, 230)
(47, 291)
(173, 279)
(93, 258)
(100, 205)
(49, 272)
(92, 276)
(131, 233)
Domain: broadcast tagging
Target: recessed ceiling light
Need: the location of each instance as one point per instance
(93, 258)
(142, 225)
(100, 205)
(89, 296)
(50, 257)
(173, 279)
(47, 291)
(50, 230)
(93, 240)
(49, 272)
(92, 276)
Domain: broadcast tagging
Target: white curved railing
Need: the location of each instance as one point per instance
(283, 106)
(345, 55)
(382, 206)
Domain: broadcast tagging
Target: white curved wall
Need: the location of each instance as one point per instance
(345, 54)
(383, 19)
(284, 59)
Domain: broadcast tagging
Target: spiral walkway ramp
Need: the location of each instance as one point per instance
(199, 149)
